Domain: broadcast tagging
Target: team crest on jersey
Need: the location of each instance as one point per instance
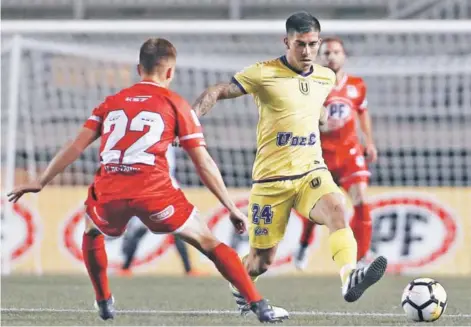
(304, 86)
(352, 91)
(316, 182)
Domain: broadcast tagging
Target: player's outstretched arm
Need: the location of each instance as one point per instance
(67, 155)
(212, 94)
(211, 177)
(365, 125)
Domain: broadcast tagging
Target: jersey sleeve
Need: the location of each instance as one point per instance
(189, 130)
(95, 121)
(249, 79)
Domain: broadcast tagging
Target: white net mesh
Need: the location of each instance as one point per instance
(419, 91)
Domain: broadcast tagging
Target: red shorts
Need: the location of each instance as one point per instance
(347, 166)
(160, 215)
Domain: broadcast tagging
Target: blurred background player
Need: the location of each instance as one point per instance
(136, 231)
(289, 171)
(341, 147)
(136, 127)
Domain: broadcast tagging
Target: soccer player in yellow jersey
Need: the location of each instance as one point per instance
(289, 171)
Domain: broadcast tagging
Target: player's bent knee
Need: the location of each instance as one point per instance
(208, 243)
(196, 232)
(90, 228)
(330, 210)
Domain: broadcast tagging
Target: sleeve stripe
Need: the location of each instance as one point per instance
(191, 136)
(95, 118)
(236, 82)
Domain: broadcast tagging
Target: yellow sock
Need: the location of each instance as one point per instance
(343, 247)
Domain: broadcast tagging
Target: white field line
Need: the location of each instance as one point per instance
(222, 312)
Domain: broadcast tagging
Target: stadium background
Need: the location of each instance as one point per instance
(419, 93)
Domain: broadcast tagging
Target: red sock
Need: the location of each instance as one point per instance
(361, 227)
(229, 265)
(307, 236)
(96, 261)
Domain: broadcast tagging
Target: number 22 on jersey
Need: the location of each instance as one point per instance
(117, 124)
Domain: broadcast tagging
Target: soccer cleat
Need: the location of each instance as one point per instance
(300, 258)
(105, 308)
(360, 279)
(244, 307)
(268, 313)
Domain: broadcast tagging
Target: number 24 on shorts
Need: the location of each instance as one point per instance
(265, 213)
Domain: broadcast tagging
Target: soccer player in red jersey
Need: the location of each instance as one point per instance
(136, 127)
(341, 148)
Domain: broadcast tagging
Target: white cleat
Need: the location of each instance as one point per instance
(361, 279)
(243, 306)
(300, 258)
(278, 313)
(268, 313)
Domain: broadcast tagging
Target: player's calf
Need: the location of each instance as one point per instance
(360, 223)
(362, 226)
(96, 261)
(226, 260)
(330, 210)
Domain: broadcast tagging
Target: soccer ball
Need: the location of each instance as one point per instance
(424, 299)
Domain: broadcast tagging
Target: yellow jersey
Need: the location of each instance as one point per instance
(289, 106)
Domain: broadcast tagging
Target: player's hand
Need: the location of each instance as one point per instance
(17, 193)
(371, 153)
(239, 220)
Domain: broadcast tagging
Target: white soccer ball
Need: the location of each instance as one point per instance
(424, 299)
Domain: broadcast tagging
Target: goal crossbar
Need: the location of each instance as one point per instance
(368, 66)
(247, 27)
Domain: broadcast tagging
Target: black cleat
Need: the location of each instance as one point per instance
(361, 279)
(105, 308)
(268, 313)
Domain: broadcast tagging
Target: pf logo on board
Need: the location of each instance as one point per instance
(411, 230)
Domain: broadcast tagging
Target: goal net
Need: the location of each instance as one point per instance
(418, 78)
(418, 91)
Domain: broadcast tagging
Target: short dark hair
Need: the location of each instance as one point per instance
(154, 51)
(302, 22)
